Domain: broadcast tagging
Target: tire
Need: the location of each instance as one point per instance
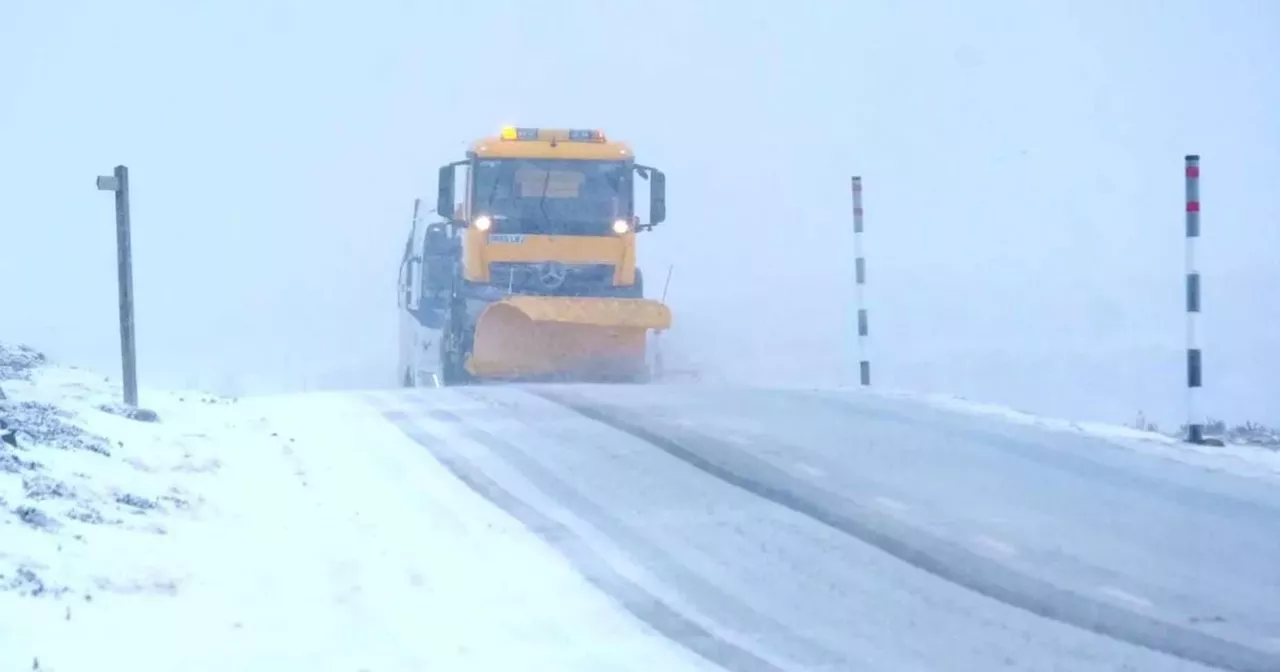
(448, 364)
(448, 361)
(453, 347)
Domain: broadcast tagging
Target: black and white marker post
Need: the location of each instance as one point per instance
(860, 279)
(1195, 424)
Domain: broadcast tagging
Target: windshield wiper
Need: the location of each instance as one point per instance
(488, 203)
(542, 202)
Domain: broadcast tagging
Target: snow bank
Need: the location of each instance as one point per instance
(68, 487)
(1241, 459)
(91, 495)
(282, 533)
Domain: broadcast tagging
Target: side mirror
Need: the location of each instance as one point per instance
(657, 197)
(444, 196)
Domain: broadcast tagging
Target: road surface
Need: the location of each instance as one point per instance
(797, 530)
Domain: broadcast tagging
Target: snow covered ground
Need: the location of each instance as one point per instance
(282, 534)
(1253, 454)
(308, 532)
(1241, 459)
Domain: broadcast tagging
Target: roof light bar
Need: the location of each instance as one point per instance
(547, 134)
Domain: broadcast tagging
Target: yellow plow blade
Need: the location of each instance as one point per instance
(575, 337)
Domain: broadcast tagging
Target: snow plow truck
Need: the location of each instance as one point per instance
(531, 274)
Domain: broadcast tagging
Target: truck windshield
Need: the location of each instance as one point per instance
(552, 196)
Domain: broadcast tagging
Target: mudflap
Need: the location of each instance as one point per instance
(565, 338)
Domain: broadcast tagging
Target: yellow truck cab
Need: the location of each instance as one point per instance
(534, 272)
(551, 212)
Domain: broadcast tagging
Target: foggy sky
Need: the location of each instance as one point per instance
(1022, 166)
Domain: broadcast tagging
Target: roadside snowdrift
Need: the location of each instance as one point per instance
(274, 534)
(87, 486)
(98, 505)
(1255, 459)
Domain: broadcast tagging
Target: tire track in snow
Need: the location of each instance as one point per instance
(597, 570)
(720, 606)
(927, 552)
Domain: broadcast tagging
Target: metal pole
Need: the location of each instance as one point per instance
(659, 363)
(119, 183)
(860, 279)
(1195, 424)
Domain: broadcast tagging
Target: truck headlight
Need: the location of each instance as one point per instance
(620, 226)
(483, 222)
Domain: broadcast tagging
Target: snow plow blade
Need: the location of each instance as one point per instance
(565, 338)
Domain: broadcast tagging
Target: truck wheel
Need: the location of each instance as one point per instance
(452, 348)
(449, 360)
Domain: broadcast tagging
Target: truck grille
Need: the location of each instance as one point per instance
(551, 278)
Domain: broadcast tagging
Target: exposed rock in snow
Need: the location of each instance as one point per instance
(66, 488)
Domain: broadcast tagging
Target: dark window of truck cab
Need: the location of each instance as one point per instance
(552, 196)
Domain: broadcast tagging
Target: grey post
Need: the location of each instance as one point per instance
(860, 279)
(119, 183)
(1195, 425)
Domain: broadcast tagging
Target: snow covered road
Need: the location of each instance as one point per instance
(756, 522)
(623, 528)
